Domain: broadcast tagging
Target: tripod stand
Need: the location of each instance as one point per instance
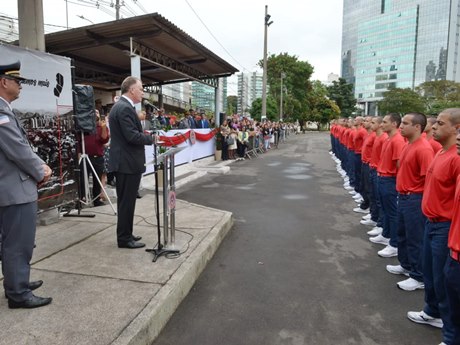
(86, 198)
(160, 250)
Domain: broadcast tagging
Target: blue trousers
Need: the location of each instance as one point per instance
(435, 253)
(389, 201)
(357, 164)
(411, 229)
(374, 196)
(365, 186)
(452, 274)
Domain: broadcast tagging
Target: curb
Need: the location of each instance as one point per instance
(144, 329)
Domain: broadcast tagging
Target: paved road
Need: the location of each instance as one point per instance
(297, 268)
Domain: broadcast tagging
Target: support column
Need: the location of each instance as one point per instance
(31, 25)
(136, 71)
(218, 102)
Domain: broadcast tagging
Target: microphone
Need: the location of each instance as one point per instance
(150, 105)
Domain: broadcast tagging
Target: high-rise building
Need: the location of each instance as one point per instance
(388, 43)
(203, 96)
(249, 89)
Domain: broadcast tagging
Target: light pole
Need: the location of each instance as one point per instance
(267, 23)
(283, 75)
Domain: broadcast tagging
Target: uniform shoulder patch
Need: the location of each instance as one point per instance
(4, 119)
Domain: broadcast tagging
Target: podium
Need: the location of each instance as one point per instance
(169, 204)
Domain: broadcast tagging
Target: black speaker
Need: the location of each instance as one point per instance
(222, 117)
(83, 105)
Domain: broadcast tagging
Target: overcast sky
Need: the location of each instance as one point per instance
(308, 29)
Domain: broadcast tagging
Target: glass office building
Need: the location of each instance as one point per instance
(390, 43)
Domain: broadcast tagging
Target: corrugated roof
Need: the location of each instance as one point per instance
(168, 54)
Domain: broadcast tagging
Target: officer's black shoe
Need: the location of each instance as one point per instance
(33, 302)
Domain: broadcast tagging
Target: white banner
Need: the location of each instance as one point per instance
(49, 81)
(192, 152)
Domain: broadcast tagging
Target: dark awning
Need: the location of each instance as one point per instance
(101, 53)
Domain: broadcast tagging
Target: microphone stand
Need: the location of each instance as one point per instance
(160, 250)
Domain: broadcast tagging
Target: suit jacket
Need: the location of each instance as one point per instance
(20, 168)
(202, 124)
(127, 140)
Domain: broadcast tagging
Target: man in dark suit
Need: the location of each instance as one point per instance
(20, 173)
(127, 158)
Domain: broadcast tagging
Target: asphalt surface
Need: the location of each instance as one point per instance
(297, 268)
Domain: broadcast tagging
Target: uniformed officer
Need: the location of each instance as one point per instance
(21, 170)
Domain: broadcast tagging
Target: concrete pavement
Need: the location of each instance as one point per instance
(106, 295)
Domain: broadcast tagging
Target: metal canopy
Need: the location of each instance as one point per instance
(101, 53)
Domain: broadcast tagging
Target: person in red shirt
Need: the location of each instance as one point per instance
(438, 207)
(452, 269)
(365, 161)
(358, 139)
(410, 179)
(94, 148)
(376, 213)
(387, 169)
(428, 134)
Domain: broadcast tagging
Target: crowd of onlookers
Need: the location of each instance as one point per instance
(404, 173)
(239, 135)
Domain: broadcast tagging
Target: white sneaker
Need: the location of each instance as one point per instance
(377, 230)
(410, 284)
(397, 269)
(443, 343)
(380, 240)
(368, 222)
(359, 201)
(366, 217)
(422, 317)
(352, 191)
(348, 187)
(360, 210)
(357, 196)
(388, 252)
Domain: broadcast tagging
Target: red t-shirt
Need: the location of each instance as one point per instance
(413, 165)
(377, 149)
(351, 139)
(359, 138)
(366, 153)
(391, 152)
(435, 145)
(346, 134)
(438, 196)
(454, 231)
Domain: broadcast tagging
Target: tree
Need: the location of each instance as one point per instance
(256, 109)
(232, 104)
(401, 101)
(321, 109)
(296, 84)
(342, 94)
(439, 95)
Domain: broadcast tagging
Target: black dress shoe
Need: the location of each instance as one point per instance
(137, 238)
(35, 285)
(33, 302)
(131, 245)
(97, 203)
(32, 285)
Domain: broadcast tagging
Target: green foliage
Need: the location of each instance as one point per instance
(232, 102)
(401, 101)
(321, 109)
(296, 84)
(272, 109)
(342, 94)
(439, 95)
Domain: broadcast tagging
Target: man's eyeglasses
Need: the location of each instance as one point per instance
(17, 81)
